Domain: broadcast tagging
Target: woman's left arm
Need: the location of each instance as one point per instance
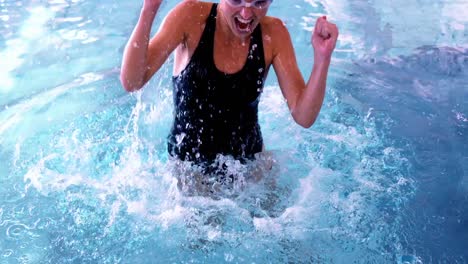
(304, 100)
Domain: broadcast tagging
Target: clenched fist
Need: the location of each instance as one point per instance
(324, 39)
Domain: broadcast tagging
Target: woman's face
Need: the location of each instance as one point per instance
(242, 20)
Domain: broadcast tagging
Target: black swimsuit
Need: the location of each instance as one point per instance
(215, 112)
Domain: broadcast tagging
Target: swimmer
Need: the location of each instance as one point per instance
(223, 53)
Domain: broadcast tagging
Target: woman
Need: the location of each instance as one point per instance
(223, 53)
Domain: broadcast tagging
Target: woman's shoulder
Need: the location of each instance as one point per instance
(272, 25)
(274, 32)
(194, 9)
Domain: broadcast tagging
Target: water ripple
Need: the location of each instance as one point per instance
(16, 231)
(7, 253)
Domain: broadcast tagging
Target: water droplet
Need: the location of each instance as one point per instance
(179, 138)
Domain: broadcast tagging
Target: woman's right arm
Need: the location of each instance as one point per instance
(143, 57)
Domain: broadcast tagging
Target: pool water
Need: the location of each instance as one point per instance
(380, 178)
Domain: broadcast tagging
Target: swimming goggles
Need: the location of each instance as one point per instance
(258, 4)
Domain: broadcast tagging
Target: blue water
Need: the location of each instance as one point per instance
(380, 178)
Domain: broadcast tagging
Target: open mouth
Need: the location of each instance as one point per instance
(243, 25)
